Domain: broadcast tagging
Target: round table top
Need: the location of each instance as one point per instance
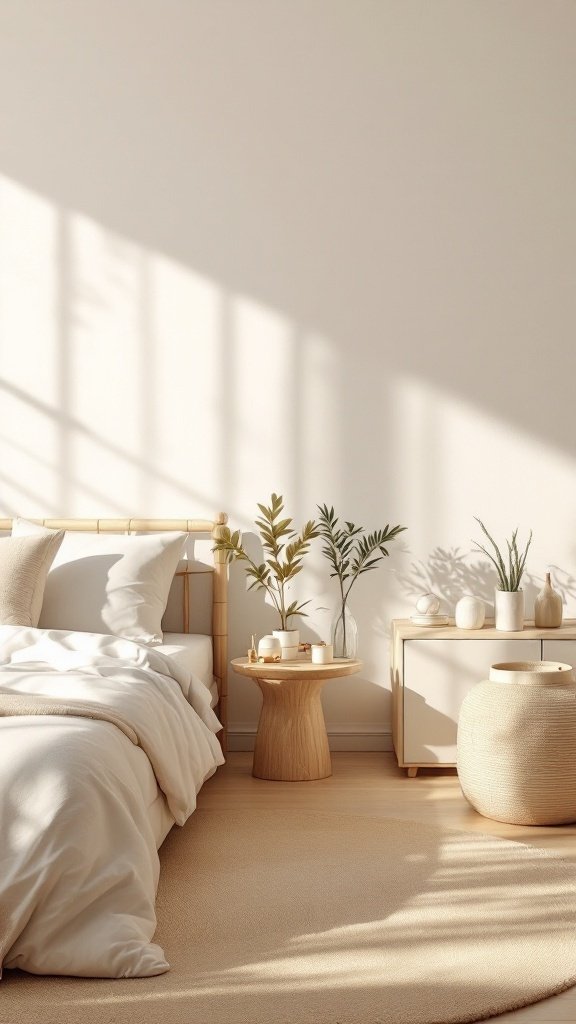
(300, 668)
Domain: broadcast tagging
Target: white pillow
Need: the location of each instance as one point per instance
(109, 583)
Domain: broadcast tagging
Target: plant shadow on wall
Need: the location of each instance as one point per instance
(452, 573)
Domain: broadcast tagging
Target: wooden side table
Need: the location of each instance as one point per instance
(291, 742)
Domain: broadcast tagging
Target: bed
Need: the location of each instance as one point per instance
(106, 737)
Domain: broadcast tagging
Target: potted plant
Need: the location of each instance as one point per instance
(508, 596)
(284, 550)
(351, 552)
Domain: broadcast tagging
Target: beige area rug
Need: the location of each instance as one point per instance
(283, 917)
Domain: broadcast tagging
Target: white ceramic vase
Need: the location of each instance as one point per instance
(289, 641)
(470, 613)
(509, 610)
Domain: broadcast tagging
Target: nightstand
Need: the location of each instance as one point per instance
(291, 743)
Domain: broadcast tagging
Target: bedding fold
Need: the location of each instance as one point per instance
(25, 704)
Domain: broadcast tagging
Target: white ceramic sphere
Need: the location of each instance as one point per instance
(470, 613)
(427, 604)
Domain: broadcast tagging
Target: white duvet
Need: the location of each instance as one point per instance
(78, 860)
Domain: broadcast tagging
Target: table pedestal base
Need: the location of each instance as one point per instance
(291, 743)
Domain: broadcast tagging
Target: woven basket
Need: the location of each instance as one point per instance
(517, 744)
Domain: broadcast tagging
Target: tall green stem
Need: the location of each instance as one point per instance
(342, 618)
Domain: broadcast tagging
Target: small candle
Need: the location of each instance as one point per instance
(322, 654)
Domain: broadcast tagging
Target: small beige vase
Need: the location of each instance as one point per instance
(548, 607)
(517, 744)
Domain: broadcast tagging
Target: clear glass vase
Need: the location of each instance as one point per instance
(345, 634)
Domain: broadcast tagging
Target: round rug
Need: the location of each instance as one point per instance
(282, 917)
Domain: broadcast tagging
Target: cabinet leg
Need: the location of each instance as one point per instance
(412, 773)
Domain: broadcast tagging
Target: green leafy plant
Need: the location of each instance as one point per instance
(351, 552)
(509, 575)
(284, 549)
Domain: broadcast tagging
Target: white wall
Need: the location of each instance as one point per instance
(325, 247)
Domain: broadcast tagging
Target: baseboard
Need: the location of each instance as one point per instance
(349, 740)
(360, 737)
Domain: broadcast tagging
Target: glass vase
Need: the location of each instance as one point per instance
(345, 634)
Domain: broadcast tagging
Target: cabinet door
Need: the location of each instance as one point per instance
(437, 677)
(559, 650)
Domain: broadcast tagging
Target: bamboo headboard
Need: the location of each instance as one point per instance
(219, 581)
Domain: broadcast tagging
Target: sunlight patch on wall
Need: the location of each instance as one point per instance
(112, 370)
(131, 382)
(186, 380)
(323, 423)
(455, 461)
(29, 313)
(104, 289)
(263, 364)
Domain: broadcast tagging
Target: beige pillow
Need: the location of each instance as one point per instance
(24, 565)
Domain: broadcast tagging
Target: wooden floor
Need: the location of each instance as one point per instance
(371, 784)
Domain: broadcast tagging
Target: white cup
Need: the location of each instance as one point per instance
(322, 654)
